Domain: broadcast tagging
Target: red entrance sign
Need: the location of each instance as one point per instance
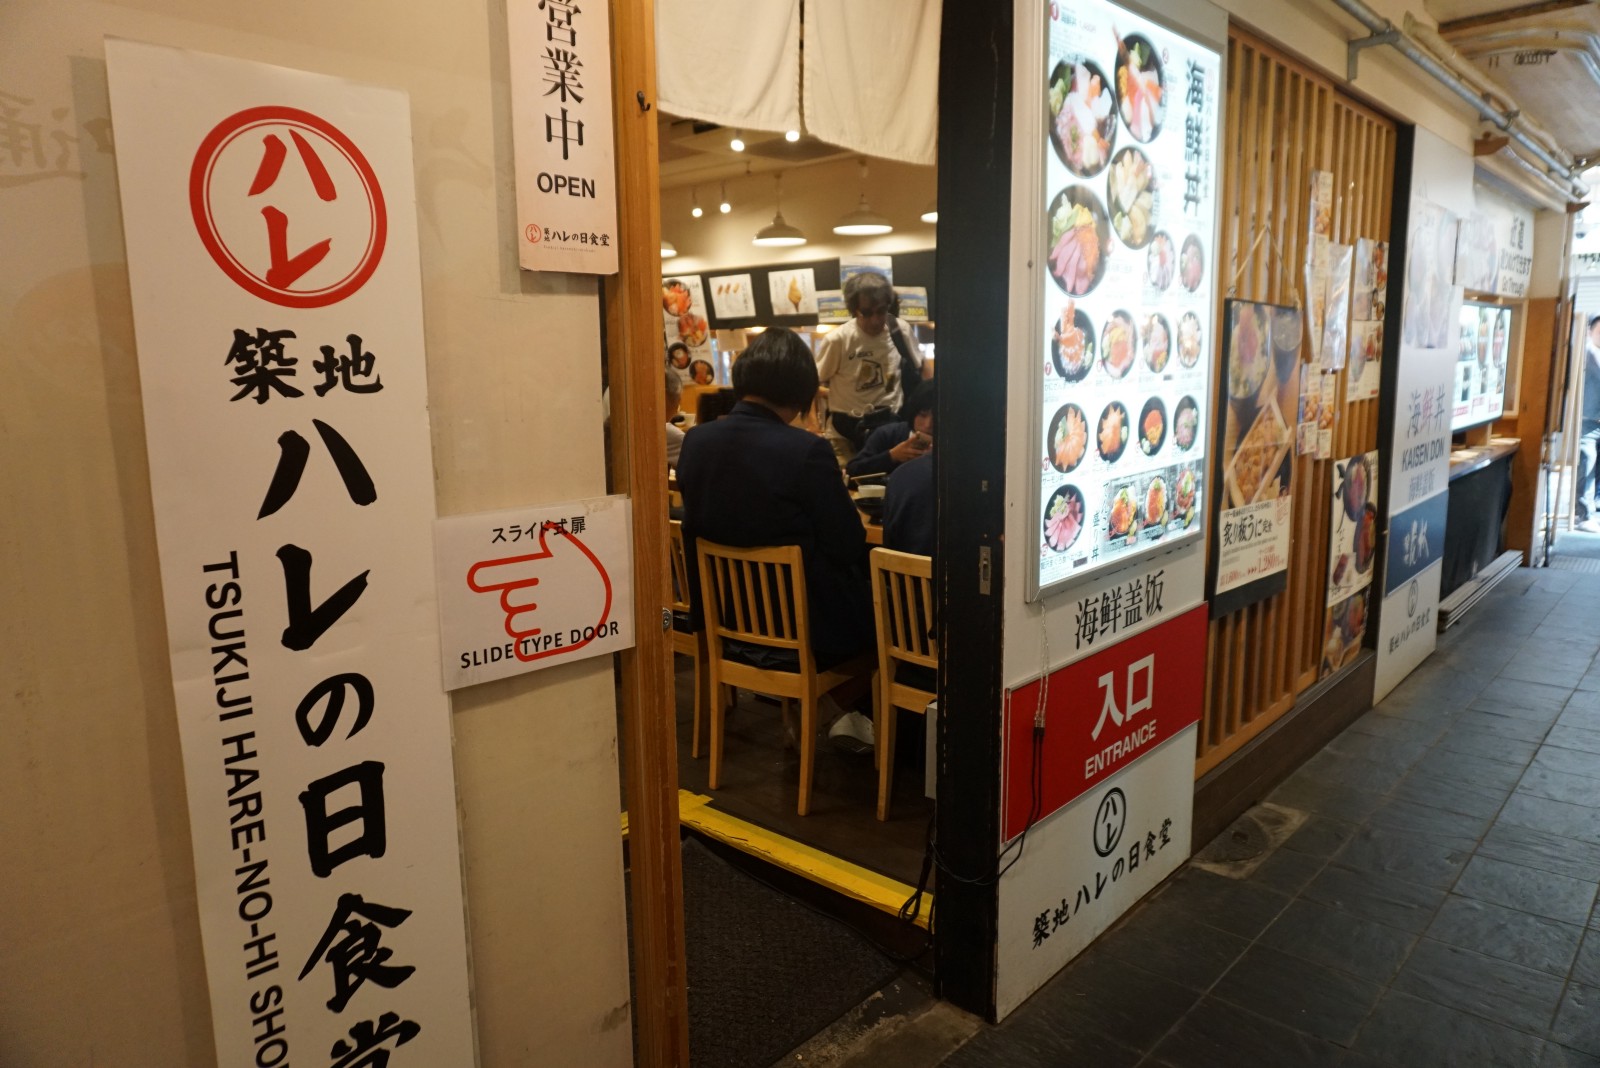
(1102, 714)
(302, 230)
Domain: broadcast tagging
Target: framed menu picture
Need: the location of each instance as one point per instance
(1129, 227)
(1255, 453)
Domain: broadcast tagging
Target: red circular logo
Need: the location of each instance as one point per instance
(288, 206)
(533, 233)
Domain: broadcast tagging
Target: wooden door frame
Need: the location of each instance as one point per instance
(632, 299)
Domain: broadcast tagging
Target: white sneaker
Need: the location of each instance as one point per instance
(853, 733)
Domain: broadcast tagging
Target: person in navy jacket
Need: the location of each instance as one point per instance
(751, 479)
(897, 443)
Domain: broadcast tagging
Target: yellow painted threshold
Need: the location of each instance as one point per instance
(853, 881)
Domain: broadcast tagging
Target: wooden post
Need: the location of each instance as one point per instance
(639, 469)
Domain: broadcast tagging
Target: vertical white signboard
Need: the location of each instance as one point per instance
(1419, 452)
(272, 255)
(561, 130)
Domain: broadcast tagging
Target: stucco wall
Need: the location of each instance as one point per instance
(98, 925)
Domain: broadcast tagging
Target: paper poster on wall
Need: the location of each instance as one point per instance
(1255, 453)
(1310, 411)
(683, 316)
(794, 292)
(284, 384)
(1353, 529)
(913, 303)
(561, 132)
(1336, 308)
(1512, 226)
(830, 306)
(1344, 626)
(1319, 230)
(732, 296)
(1327, 414)
(850, 266)
(1366, 356)
(1419, 453)
(1129, 208)
(576, 556)
(1477, 255)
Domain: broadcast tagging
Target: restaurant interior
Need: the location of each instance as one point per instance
(757, 226)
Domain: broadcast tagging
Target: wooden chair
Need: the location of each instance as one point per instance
(902, 606)
(691, 643)
(758, 596)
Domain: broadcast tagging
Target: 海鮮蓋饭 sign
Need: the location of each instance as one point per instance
(272, 255)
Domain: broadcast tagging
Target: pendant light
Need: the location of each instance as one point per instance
(668, 249)
(931, 213)
(791, 136)
(863, 222)
(779, 234)
(737, 144)
(724, 207)
(694, 203)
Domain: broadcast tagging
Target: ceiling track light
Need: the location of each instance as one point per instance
(791, 136)
(779, 234)
(694, 203)
(863, 222)
(724, 207)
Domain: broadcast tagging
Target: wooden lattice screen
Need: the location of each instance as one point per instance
(1283, 122)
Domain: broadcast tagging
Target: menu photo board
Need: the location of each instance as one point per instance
(1479, 392)
(1255, 461)
(1129, 293)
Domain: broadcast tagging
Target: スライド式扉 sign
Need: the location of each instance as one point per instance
(527, 588)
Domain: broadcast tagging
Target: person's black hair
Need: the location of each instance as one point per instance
(874, 287)
(920, 400)
(1592, 320)
(778, 368)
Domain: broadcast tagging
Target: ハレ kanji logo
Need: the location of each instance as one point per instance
(287, 206)
(534, 233)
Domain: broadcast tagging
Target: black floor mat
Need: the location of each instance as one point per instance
(765, 972)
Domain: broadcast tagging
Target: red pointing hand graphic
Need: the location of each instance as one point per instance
(565, 578)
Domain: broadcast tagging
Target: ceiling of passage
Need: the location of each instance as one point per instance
(1547, 56)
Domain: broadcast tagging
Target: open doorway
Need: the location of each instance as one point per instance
(751, 241)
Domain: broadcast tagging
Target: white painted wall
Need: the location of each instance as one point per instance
(98, 926)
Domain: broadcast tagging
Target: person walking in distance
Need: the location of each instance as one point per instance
(1583, 494)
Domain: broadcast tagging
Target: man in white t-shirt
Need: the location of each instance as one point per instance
(859, 362)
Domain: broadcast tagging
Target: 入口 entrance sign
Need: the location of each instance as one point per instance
(1114, 802)
(272, 256)
(561, 131)
(528, 588)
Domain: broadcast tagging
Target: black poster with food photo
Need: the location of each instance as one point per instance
(1255, 454)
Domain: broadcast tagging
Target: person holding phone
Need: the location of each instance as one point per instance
(896, 443)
